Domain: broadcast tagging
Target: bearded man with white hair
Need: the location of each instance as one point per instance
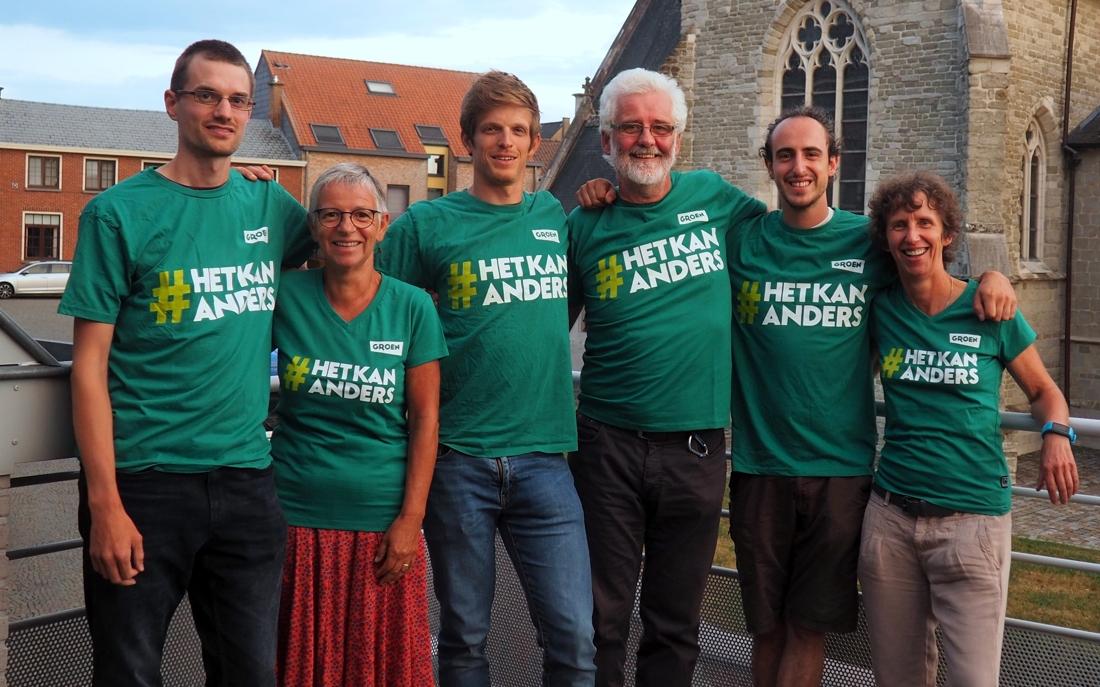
(650, 271)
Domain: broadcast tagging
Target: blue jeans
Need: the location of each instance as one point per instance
(531, 500)
(218, 536)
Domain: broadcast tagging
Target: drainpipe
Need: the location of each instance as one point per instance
(1071, 162)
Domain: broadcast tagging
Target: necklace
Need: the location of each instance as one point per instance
(950, 295)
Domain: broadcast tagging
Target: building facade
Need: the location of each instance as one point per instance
(55, 158)
(400, 121)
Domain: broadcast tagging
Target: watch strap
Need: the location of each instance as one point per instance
(1059, 428)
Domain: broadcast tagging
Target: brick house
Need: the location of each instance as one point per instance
(54, 158)
(401, 122)
(981, 91)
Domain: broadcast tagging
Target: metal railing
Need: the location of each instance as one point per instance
(516, 657)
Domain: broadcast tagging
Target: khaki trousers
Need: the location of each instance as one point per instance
(917, 573)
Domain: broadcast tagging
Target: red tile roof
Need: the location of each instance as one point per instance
(329, 90)
(546, 151)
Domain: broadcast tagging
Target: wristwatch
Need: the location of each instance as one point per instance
(1064, 430)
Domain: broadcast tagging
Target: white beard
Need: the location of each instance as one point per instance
(641, 172)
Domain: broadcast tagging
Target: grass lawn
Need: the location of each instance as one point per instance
(1039, 593)
(1053, 595)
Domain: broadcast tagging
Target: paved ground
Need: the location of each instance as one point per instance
(1069, 524)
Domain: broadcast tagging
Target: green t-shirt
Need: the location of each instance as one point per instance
(500, 273)
(657, 305)
(942, 379)
(341, 445)
(803, 393)
(188, 278)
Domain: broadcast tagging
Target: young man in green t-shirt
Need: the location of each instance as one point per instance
(802, 402)
(650, 271)
(495, 255)
(173, 285)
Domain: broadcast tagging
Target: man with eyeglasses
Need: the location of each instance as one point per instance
(173, 283)
(650, 272)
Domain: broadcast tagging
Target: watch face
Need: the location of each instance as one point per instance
(1058, 428)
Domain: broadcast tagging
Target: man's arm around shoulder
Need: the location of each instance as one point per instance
(115, 545)
(995, 299)
(399, 254)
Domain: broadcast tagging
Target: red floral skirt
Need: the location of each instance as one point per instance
(338, 627)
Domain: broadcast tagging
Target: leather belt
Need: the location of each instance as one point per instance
(915, 508)
(664, 437)
(695, 442)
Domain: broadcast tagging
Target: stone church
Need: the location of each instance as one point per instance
(998, 96)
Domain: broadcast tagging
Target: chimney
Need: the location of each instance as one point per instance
(275, 90)
(564, 126)
(1, 89)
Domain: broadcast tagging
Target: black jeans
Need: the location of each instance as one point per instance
(666, 496)
(220, 537)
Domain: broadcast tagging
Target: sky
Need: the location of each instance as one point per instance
(120, 53)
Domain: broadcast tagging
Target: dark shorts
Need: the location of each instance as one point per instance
(797, 545)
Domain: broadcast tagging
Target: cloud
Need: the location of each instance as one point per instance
(65, 57)
(552, 48)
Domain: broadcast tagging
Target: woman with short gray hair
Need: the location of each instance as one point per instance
(354, 450)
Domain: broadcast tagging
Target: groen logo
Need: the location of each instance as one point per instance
(170, 297)
(608, 280)
(689, 217)
(388, 347)
(854, 266)
(461, 285)
(970, 340)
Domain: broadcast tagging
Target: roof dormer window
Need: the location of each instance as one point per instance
(328, 135)
(431, 135)
(380, 87)
(386, 139)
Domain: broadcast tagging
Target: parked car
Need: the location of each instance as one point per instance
(46, 277)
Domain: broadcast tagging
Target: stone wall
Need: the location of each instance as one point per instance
(1084, 98)
(916, 110)
(1037, 34)
(1085, 371)
(1041, 303)
(728, 47)
(680, 65)
(1085, 94)
(1036, 90)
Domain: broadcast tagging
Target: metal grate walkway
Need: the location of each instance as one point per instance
(55, 650)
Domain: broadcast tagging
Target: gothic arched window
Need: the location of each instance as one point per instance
(1033, 194)
(824, 59)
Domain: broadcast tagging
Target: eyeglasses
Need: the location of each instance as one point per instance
(636, 129)
(330, 218)
(213, 98)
